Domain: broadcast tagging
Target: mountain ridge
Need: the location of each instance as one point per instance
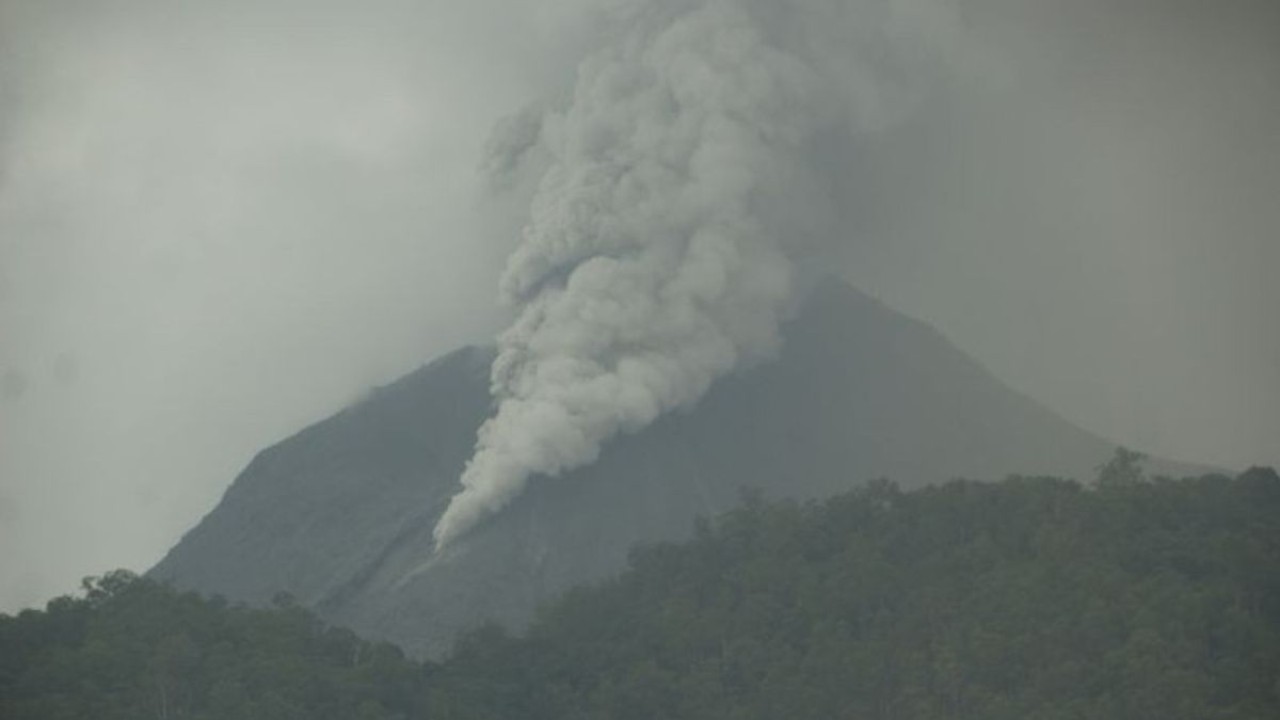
(341, 514)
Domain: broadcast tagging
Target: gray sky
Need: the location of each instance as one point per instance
(218, 224)
(1096, 218)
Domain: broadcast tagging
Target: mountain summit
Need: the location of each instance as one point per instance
(340, 516)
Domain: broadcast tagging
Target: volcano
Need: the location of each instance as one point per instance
(340, 516)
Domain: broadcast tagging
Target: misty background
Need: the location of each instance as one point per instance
(218, 224)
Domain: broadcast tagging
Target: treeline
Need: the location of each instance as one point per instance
(131, 648)
(1031, 598)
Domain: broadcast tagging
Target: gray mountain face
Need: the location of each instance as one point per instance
(340, 515)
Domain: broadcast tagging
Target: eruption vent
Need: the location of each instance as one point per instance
(663, 239)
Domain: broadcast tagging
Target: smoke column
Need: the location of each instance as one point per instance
(663, 238)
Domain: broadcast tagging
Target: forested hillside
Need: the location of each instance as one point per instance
(130, 648)
(1028, 598)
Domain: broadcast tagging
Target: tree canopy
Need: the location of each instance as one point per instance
(1028, 598)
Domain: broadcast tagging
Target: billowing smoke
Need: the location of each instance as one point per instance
(679, 195)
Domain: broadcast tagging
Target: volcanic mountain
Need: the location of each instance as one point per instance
(340, 516)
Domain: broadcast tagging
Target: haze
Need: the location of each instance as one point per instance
(220, 224)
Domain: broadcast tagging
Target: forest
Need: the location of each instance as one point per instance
(1126, 597)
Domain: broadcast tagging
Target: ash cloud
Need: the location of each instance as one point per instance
(677, 204)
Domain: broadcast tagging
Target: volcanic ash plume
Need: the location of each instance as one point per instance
(661, 246)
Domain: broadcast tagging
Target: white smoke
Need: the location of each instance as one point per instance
(661, 248)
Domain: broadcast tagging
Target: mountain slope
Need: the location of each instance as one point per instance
(340, 515)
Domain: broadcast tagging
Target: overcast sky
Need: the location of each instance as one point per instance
(222, 221)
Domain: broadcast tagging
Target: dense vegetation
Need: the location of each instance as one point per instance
(133, 649)
(1030, 598)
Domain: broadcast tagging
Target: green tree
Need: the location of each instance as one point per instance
(1124, 468)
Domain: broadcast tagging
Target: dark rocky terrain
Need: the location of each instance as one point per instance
(340, 515)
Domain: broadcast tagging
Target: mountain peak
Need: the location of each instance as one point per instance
(341, 515)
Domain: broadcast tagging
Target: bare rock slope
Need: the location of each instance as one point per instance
(340, 515)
